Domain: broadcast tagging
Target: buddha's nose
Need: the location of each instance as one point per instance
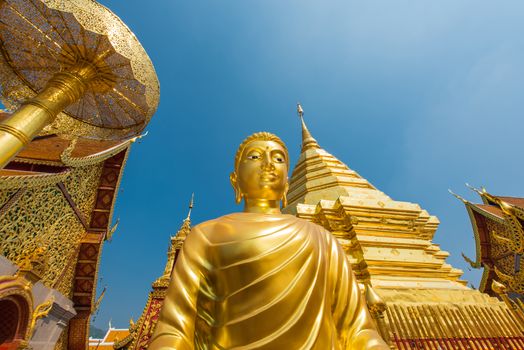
(266, 161)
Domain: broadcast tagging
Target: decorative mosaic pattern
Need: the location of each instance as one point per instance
(82, 186)
(5, 195)
(42, 217)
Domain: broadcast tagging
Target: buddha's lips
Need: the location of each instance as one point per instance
(268, 176)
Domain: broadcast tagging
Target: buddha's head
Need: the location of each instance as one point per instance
(260, 175)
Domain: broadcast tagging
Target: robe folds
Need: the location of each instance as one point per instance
(263, 281)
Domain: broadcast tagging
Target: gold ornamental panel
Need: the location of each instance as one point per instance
(82, 185)
(42, 217)
(5, 195)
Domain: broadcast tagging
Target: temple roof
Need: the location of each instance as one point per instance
(56, 150)
(518, 202)
(498, 231)
(112, 336)
(490, 211)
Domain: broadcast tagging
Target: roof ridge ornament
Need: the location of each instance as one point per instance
(460, 198)
(487, 197)
(308, 141)
(481, 192)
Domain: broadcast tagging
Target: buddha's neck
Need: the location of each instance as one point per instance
(264, 206)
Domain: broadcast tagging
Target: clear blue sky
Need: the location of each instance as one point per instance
(417, 96)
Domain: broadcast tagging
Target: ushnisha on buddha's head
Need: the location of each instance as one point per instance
(260, 175)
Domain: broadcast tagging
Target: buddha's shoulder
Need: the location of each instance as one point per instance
(235, 222)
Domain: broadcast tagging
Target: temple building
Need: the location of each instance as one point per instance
(498, 227)
(56, 206)
(80, 89)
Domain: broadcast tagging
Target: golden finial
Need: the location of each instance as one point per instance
(487, 197)
(136, 138)
(112, 230)
(308, 141)
(300, 111)
(99, 301)
(458, 197)
(482, 191)
(186, 224)
(473, 264)
(191, 206)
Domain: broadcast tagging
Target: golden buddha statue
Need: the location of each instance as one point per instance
(261, 279)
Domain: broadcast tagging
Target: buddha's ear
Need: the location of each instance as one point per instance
(284, 197)
(234, 183)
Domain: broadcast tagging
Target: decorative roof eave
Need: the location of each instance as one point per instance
(69, 160)
(516, 204)
(488, 275)
(19, 159)
(510, 206)
(478, 239)
(513, 201)
(124, 342)
(32, 180)
(85, 300)
(117, 187)
(485, 213)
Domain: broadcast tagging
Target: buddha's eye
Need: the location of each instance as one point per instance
(279, 158)
(253, 156)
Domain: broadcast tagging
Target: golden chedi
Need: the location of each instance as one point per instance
(261, 279)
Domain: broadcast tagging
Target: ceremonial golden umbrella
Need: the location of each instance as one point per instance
(70, 67)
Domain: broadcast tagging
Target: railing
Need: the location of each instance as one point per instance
(497, 343)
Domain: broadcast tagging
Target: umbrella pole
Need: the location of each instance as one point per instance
(64, 89)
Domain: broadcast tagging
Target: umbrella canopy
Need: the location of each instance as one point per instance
(39, 38)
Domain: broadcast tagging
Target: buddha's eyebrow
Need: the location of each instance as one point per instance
(278, 151)
(255, 148)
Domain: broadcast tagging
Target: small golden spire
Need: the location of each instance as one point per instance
(462, 199)
(481, 192)
(186, 225)
(488, 197)
(190, 206)
(308, 141)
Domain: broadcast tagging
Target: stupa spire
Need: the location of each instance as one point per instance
(308, 141)
(175, 244)
(186, 225)
(190, 206)
(319, 175)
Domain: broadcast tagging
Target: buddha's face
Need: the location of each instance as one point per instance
(262, 171)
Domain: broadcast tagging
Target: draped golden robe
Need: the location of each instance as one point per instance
(263, 281)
